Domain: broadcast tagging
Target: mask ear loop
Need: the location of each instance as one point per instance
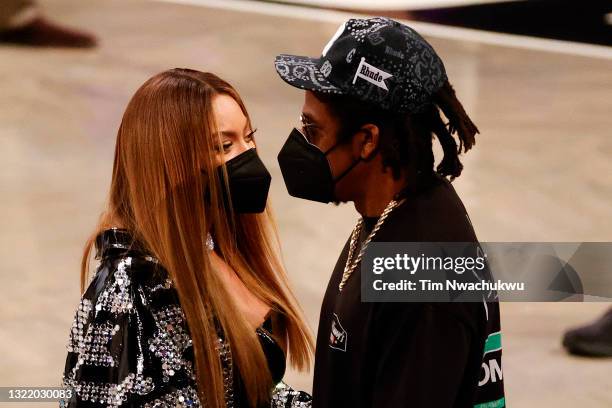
(355, 163)
(347, 171)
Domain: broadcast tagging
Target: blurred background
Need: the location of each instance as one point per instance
(536, 77)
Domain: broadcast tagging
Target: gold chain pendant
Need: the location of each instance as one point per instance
(351, 264)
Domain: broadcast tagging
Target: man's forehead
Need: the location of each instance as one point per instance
(314, 109)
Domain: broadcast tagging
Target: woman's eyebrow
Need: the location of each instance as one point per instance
(227, 133)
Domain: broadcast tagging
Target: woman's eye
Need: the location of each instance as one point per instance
(225, 147)
(250, 137)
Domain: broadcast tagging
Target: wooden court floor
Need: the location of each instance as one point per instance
(540, 171)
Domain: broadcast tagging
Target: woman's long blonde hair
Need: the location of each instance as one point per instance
(164, 166)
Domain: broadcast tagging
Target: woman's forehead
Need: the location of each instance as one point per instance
(228, 114)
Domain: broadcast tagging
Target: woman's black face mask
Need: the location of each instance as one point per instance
(306, 171)
(248, 181)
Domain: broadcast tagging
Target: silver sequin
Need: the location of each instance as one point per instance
(283, 396)
(110, 394)
(116, 298)
(184, 397)
(170, 340)
(80, 321)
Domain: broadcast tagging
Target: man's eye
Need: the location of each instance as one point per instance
(310, 132)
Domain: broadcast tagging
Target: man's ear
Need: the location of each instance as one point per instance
(367, 141)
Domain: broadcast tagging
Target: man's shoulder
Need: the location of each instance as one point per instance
(436, 214)
(471, 315)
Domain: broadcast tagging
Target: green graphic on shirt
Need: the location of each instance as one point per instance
(493, 343)
(500, 403)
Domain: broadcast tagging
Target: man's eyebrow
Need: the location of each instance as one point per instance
(308, 119)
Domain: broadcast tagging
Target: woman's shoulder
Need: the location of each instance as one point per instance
(129, 336)
(117, 244)
(126, 270)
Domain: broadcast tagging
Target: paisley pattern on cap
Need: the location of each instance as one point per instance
(304, 73)
(410, 68)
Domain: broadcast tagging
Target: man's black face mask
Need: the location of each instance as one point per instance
(249, 182)
(306, 171)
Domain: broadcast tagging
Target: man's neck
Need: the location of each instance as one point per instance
(379, 190)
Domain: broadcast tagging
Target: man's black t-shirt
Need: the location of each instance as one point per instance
(434, 355)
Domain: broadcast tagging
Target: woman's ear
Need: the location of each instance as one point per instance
(367, 141)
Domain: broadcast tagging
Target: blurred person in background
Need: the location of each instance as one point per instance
(22, 22)
(593, 339)
(190, 303)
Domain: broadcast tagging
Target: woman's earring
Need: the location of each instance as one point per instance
(210, 244)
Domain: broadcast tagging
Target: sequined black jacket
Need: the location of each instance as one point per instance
(130, 346)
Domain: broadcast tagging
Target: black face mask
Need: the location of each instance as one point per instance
(306, 171)
(249, 182)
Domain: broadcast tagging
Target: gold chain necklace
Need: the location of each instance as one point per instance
(351, 264)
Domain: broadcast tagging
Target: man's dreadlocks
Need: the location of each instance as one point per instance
(406, 139)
